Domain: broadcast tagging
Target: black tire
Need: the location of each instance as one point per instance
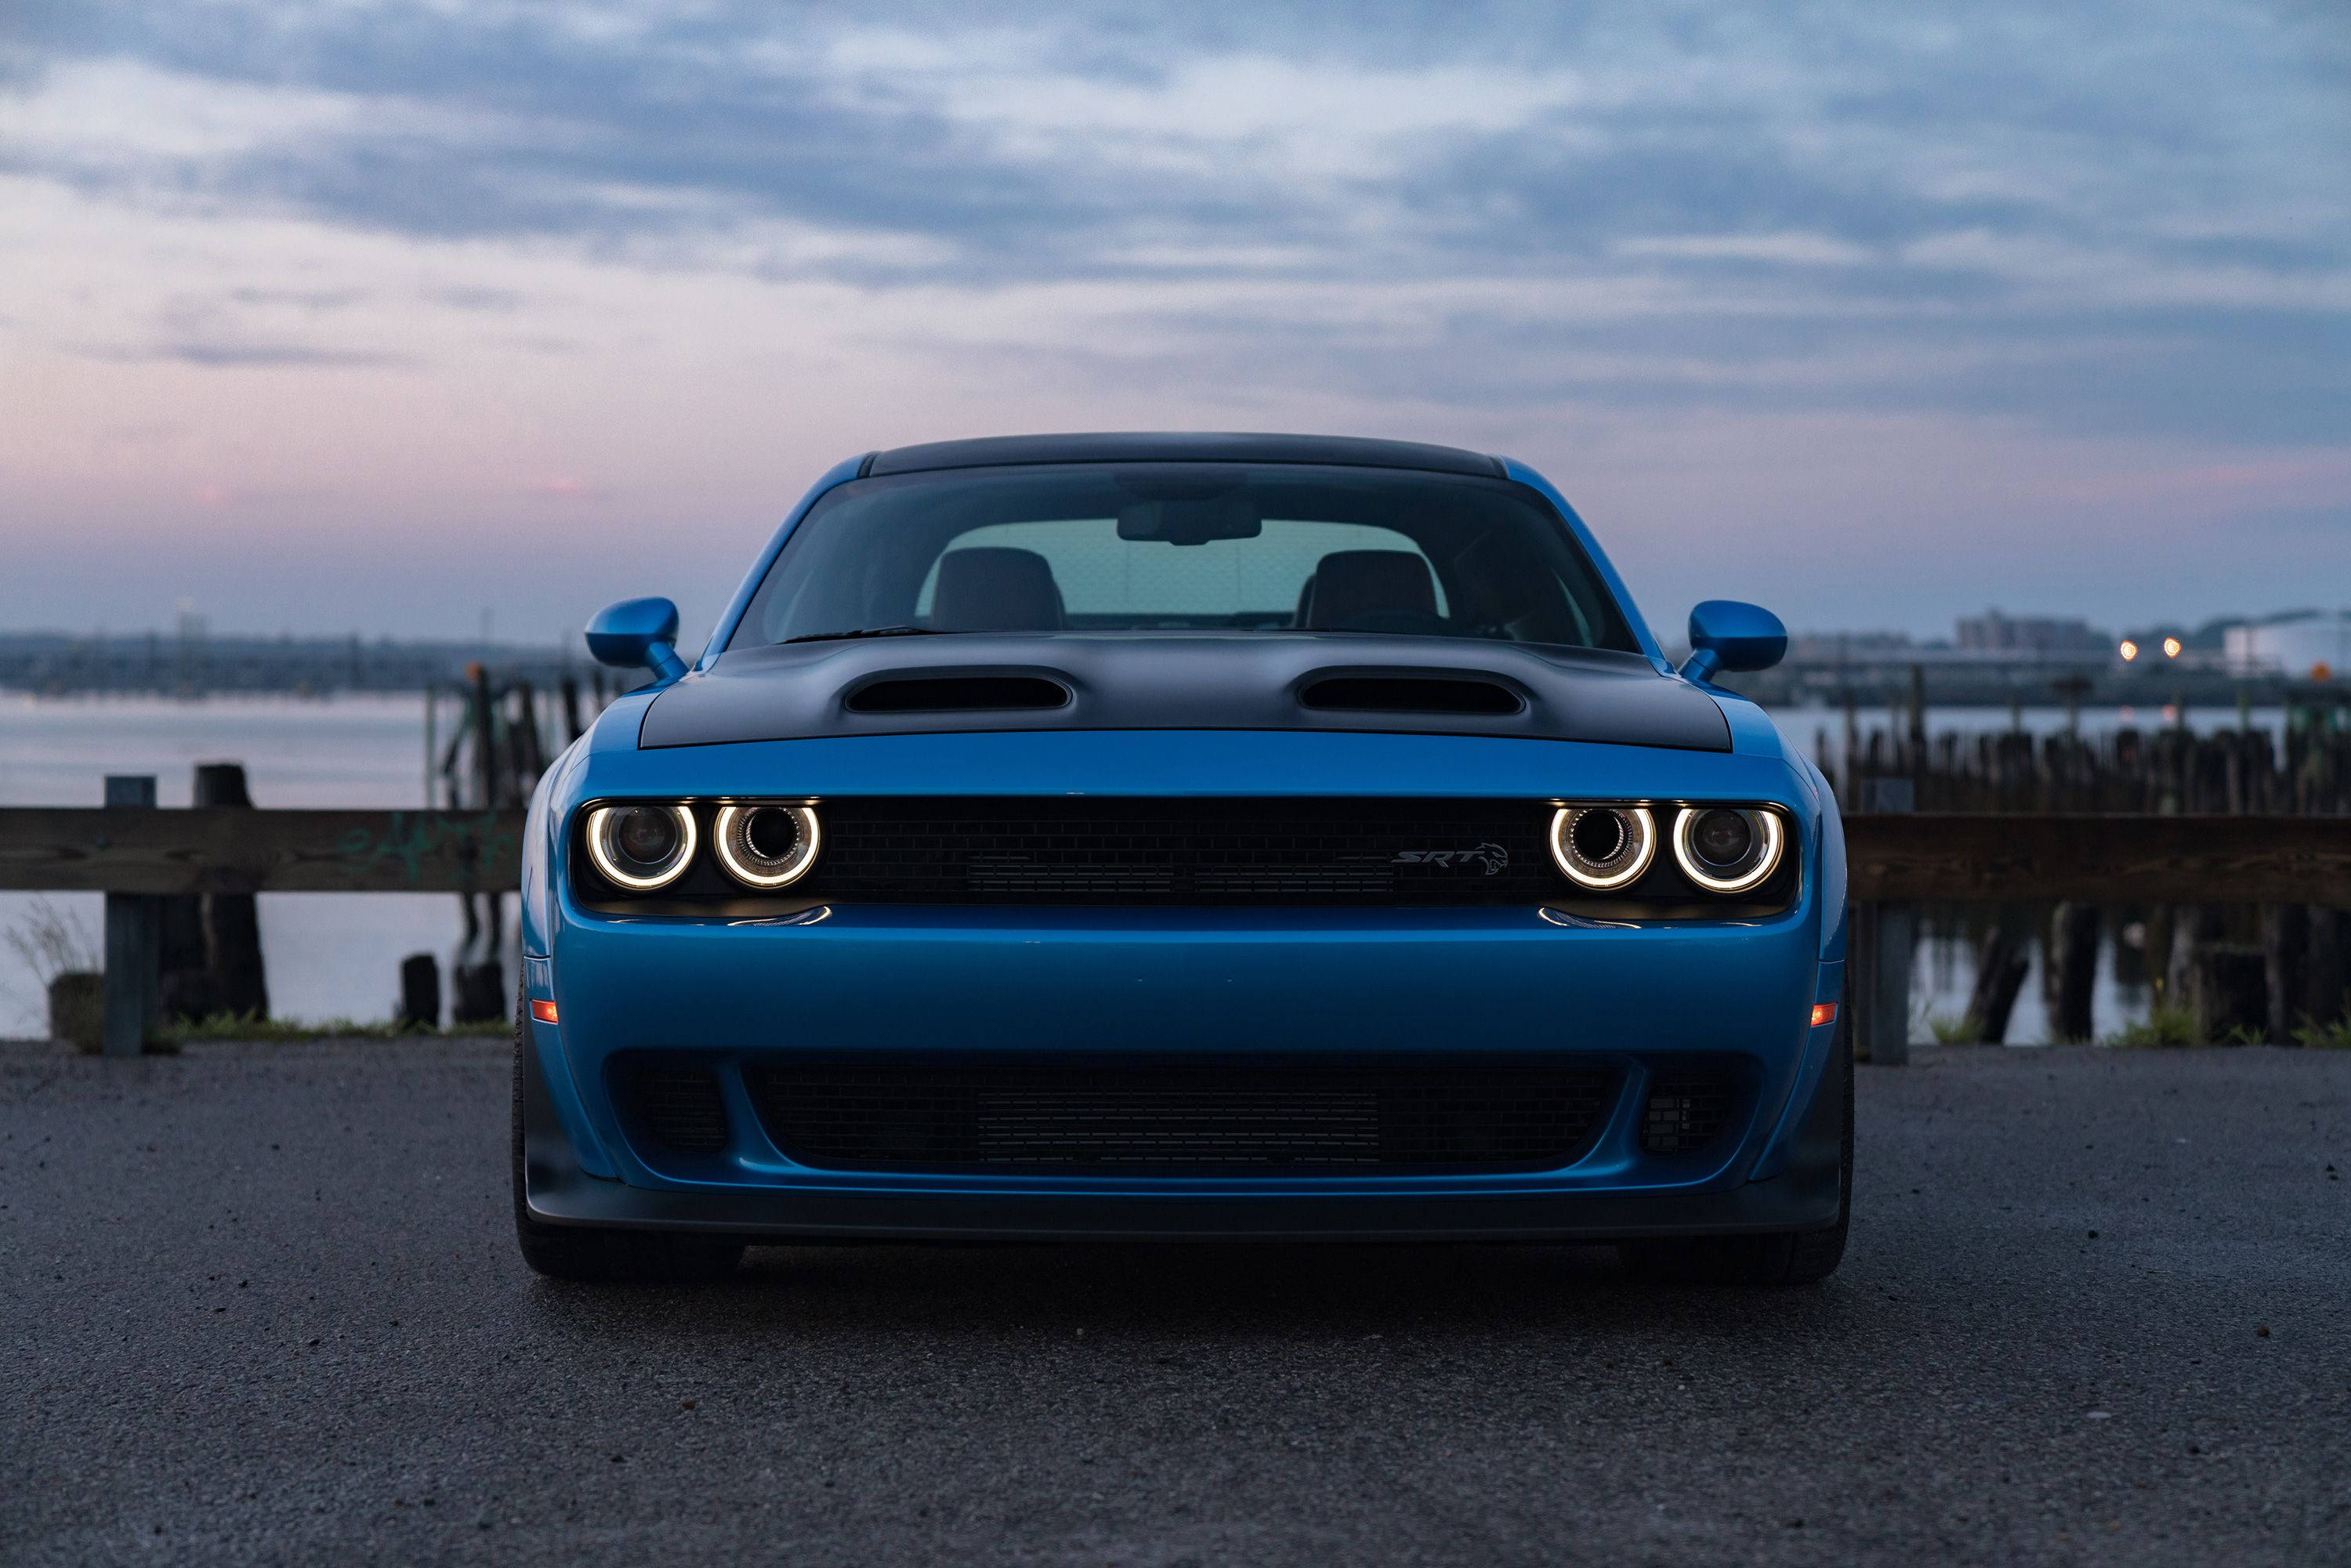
(1788, 1258)
(605, 1256)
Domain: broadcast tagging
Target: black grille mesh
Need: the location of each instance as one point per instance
(1685, 1111)
(1186, 852)
(1208, 1118)
(679, 1108)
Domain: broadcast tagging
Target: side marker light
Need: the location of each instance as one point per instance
(1823, 1012)
(545, 1012)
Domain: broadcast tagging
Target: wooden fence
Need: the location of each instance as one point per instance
(1895, 861)
(199, 850)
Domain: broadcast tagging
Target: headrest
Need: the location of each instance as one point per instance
(995, 589)
(1353, 586)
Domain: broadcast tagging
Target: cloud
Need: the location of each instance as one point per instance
(2106, 228)
(218, 355)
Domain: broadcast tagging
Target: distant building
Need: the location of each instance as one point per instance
(2039, 635)
(1848, 647)
(2307, 647)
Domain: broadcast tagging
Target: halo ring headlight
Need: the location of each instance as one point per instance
(1602, 847)
(642, 847)
(766, 846)
(1723, 855)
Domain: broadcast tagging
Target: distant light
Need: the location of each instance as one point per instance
(2129, 651)
(2171, 647)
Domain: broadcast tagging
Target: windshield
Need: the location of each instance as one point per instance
(1223, 547)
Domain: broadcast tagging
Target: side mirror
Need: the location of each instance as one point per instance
(638, 634)
(1724, 635)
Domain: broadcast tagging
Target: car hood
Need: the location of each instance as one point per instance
(1096, 681)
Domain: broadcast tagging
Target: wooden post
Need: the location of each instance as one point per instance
(572, 725)
(420, 991)
(1882, 1027)
(2074, 957)
(1918, 719)
(480, 990)
(133, 939)
(232, 921)
(2001, 967)
(2324, 969)
(2231, 993)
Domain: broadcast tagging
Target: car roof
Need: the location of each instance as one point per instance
(1179, 446)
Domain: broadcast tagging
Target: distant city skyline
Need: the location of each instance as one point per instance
(331, 318)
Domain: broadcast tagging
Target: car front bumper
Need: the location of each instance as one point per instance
(902, 984)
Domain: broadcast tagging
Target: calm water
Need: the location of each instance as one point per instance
(329, 954)
(338, 955)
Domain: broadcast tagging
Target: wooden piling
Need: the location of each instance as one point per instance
(420, 992)
(2001, 967)
(231, 920)
(481, 994)
(2074, 959)
(1880, 968)
(2326, 965)
(2230, 994)
(133, 940)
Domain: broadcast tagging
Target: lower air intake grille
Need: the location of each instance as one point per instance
(1206, 1119)
(1686, 1111)
(679, 1108)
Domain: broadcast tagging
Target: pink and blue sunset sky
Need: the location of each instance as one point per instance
(334, 317)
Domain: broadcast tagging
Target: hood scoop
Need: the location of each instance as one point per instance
(956, 693)
(1410, 691)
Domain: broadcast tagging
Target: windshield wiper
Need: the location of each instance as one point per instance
(866, 632)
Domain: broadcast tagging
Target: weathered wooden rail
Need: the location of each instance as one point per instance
(1927, 857)
(113, 849)
(1895, 861)
(1963, 856)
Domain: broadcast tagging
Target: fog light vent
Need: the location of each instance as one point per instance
(1686, 1111)
(680, 1109)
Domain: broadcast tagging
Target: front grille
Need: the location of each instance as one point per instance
(679, 1108)
(1186, 852)
(1686, 1111)
(1217, 1118)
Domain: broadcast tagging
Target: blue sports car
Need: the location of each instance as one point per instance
(1183, 837)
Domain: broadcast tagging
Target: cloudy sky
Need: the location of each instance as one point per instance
(340, 315)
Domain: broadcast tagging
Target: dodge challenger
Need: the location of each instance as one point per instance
(1183, 837)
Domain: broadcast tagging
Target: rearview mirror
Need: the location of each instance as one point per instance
(1725, 634)
(1189, 520)
(638, 634)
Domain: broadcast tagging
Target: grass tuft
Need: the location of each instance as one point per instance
(1955, 1028)
(2164, 1026)
(2335, 1036)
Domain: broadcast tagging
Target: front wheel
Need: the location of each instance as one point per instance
(596, 1255)
(1788, 1257)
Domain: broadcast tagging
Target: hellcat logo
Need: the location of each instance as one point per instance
(1493, 857)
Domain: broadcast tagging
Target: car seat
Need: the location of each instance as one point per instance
(993, 589)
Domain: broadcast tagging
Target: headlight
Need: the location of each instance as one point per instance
(765, 846)
(641, 848)
(1727, 850)
(1601, 847)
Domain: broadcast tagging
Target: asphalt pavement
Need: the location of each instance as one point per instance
(261, 1303)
